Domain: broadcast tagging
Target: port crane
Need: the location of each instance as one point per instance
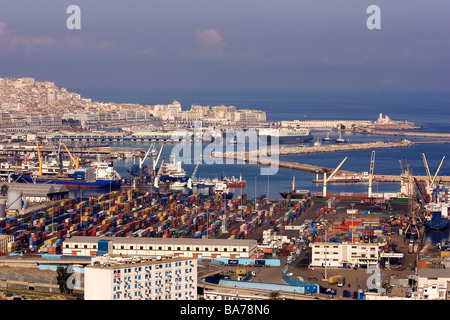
(39, 157)
(325, 179)
(141, 161)
(372, 165)
(431, 180)
(75, 161)
(189, 183)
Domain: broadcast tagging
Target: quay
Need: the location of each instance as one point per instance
(351, 147)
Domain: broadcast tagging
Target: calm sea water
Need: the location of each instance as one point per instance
(430, 110)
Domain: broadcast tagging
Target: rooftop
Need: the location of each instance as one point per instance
(167, 241)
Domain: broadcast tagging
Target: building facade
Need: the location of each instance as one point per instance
(128, 278)
(341, 254)
(153, 247)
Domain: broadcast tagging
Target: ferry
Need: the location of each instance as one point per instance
(286, 135)
(234, 182)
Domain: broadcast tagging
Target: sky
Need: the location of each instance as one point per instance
(246, 44)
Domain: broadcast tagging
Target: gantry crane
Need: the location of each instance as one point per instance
(372, 165)
(325, 179)
(431, 180)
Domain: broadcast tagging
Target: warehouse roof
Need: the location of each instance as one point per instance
(29, 189)
(188, 241)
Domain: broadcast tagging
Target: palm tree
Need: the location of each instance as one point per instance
(274, 295)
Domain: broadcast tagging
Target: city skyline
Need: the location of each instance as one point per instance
(229, 45)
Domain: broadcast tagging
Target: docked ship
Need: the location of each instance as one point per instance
(172, 171)
(437, 215)
(295, 194)
(100, 175)
(347, 178)
(220, 187)
(234, 182)
(286, 135)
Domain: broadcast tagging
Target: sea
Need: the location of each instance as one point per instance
(430, 110)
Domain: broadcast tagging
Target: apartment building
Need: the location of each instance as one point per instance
(130, 278)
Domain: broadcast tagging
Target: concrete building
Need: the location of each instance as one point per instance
(39, 192)
(4, 240)
(129, 278)
(340, 254)
(153, 247)
(433, 284)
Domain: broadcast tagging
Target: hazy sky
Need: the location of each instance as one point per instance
(257, 44)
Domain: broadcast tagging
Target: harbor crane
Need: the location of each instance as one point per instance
(372, 165)
(39, 157)
(189, 183)
(141, 161)
(431, 180)
(325, 179)
(75, 161)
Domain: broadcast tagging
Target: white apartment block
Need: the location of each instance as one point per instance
(129, 278)
(339, 254)
(153, 247)
(433, 284)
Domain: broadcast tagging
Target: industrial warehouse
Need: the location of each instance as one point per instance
(178, 247)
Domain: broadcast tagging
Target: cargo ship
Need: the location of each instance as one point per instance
(436, 209)
(99, 175)
(295, 194)
(286, 135)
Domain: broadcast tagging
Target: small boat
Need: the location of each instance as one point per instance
(340, 139)
(327, 138)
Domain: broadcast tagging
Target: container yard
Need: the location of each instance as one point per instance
(134, 213)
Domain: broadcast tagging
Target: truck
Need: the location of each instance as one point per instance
(341, 282)
(241, 272)
(334, 279)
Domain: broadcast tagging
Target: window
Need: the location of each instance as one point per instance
(197, 249)
(178, 248)
(234, 249)
(141, 247)
(188, 249)
(206, 249)
(85, 246)
(216, 249)
(225, 249)
(131, 247)
(159, 248)
(94, 246)
(169, 248)
(244, 249)
(76, 246)
(122, 247)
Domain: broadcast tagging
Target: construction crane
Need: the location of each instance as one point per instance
(75, 161)
(141, 161)
(372, 165)
(39, 157)
(431, 180)
(325, 179)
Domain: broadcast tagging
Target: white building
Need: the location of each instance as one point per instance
(129, 278)
(153, 247)
(433, 284)
(337, 254)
